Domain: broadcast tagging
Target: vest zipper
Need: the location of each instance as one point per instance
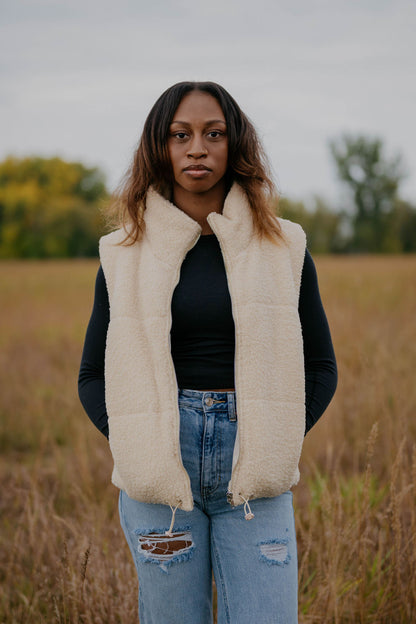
(172, 366)
(230, 495)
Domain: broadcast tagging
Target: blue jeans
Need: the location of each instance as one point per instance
(254, 562)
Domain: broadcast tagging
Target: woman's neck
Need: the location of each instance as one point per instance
(199, 205)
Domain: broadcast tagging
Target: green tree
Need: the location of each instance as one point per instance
(373, 180)
(49, 208)
(323, 226)
(402, 228)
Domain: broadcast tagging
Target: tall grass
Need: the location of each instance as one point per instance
(63, 557)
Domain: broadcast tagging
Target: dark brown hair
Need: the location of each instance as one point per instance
(247, 163)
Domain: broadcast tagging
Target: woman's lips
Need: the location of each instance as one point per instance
(197, 171)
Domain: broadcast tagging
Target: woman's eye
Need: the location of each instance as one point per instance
(180, 135)
(214, 134)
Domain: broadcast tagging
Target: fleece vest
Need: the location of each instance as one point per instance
(140, 383)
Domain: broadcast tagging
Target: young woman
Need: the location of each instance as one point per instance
(206, 343)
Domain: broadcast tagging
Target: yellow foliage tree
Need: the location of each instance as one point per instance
(49, 208)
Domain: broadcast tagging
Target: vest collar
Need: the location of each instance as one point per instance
(171, 232)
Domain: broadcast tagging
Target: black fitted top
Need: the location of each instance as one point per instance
(202, 333)
(203, 336)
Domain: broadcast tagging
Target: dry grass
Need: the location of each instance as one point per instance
(63, 557)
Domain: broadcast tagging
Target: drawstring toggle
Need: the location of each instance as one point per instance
(248, 514)
(169, 531)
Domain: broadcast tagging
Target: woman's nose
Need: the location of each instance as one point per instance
(197, 148)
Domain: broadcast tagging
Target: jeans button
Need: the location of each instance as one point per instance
(209, 401)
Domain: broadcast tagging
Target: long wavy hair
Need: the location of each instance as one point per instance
(247, 163)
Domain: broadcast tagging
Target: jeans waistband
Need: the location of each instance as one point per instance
(209, 400)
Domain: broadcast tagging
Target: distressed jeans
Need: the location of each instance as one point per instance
(254, 562)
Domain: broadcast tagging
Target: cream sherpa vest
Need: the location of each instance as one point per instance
(141, 387)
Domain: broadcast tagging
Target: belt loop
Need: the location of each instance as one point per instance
(232, 414)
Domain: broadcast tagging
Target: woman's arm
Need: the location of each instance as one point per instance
(320, 364)
(91, 388)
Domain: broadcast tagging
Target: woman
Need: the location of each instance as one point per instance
(215, 333)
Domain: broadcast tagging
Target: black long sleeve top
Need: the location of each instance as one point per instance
(203, 337)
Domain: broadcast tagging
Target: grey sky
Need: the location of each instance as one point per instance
(78, 78)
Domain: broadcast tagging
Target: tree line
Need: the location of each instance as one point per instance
(375, 218)
(52, 208)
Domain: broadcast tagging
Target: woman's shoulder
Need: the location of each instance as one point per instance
(113, 239)
(292, 231)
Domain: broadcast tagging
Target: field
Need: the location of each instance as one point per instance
(63, 558)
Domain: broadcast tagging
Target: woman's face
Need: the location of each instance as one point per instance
(198, 143)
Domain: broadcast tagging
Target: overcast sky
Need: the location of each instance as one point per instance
(79, 77)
